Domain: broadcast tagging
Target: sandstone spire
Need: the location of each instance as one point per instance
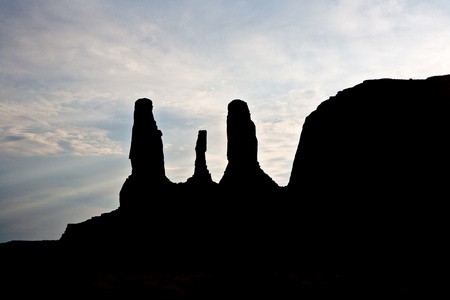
(147, 159)
(201, 173)
(241, 133)
(146, 151)
(242, 150)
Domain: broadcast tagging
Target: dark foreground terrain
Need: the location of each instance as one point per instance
(33, 269)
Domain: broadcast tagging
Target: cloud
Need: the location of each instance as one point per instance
(32, 131)
(71, 140)
(385, 38)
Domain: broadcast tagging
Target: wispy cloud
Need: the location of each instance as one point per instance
(37, 128)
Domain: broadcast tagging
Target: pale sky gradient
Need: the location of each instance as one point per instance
(70, 72)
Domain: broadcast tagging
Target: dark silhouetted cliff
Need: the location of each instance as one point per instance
(376, 139)
(369, 164)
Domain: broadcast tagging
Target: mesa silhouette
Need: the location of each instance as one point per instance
(365, 185)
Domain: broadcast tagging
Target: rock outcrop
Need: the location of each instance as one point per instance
(199, 213)
(147, 160)
(374, 141)
(368, 167)
(146, 151)
(243, 170)
(201, 174)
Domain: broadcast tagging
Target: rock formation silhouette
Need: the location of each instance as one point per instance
(201, 173)
(363, 158)
(243, 170)
(366, 189)
(147, 159)
(145, 197)
(367, 161)
(146, 151)
(153, 210)
(373, 140)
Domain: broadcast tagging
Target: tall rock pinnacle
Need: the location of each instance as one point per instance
(147, 158)
(241, 134)
(242, 150)
(201, 173)
(146, 151)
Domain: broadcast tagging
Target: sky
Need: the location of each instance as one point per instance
(70, 72)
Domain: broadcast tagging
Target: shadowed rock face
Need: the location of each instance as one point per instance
(201, 173)
(200, 151)
(241, 133)
(375, 140)
(369, 161)
(146, 151)
(243, 169)
(147, 160)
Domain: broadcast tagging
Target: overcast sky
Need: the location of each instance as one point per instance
(70, 72)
